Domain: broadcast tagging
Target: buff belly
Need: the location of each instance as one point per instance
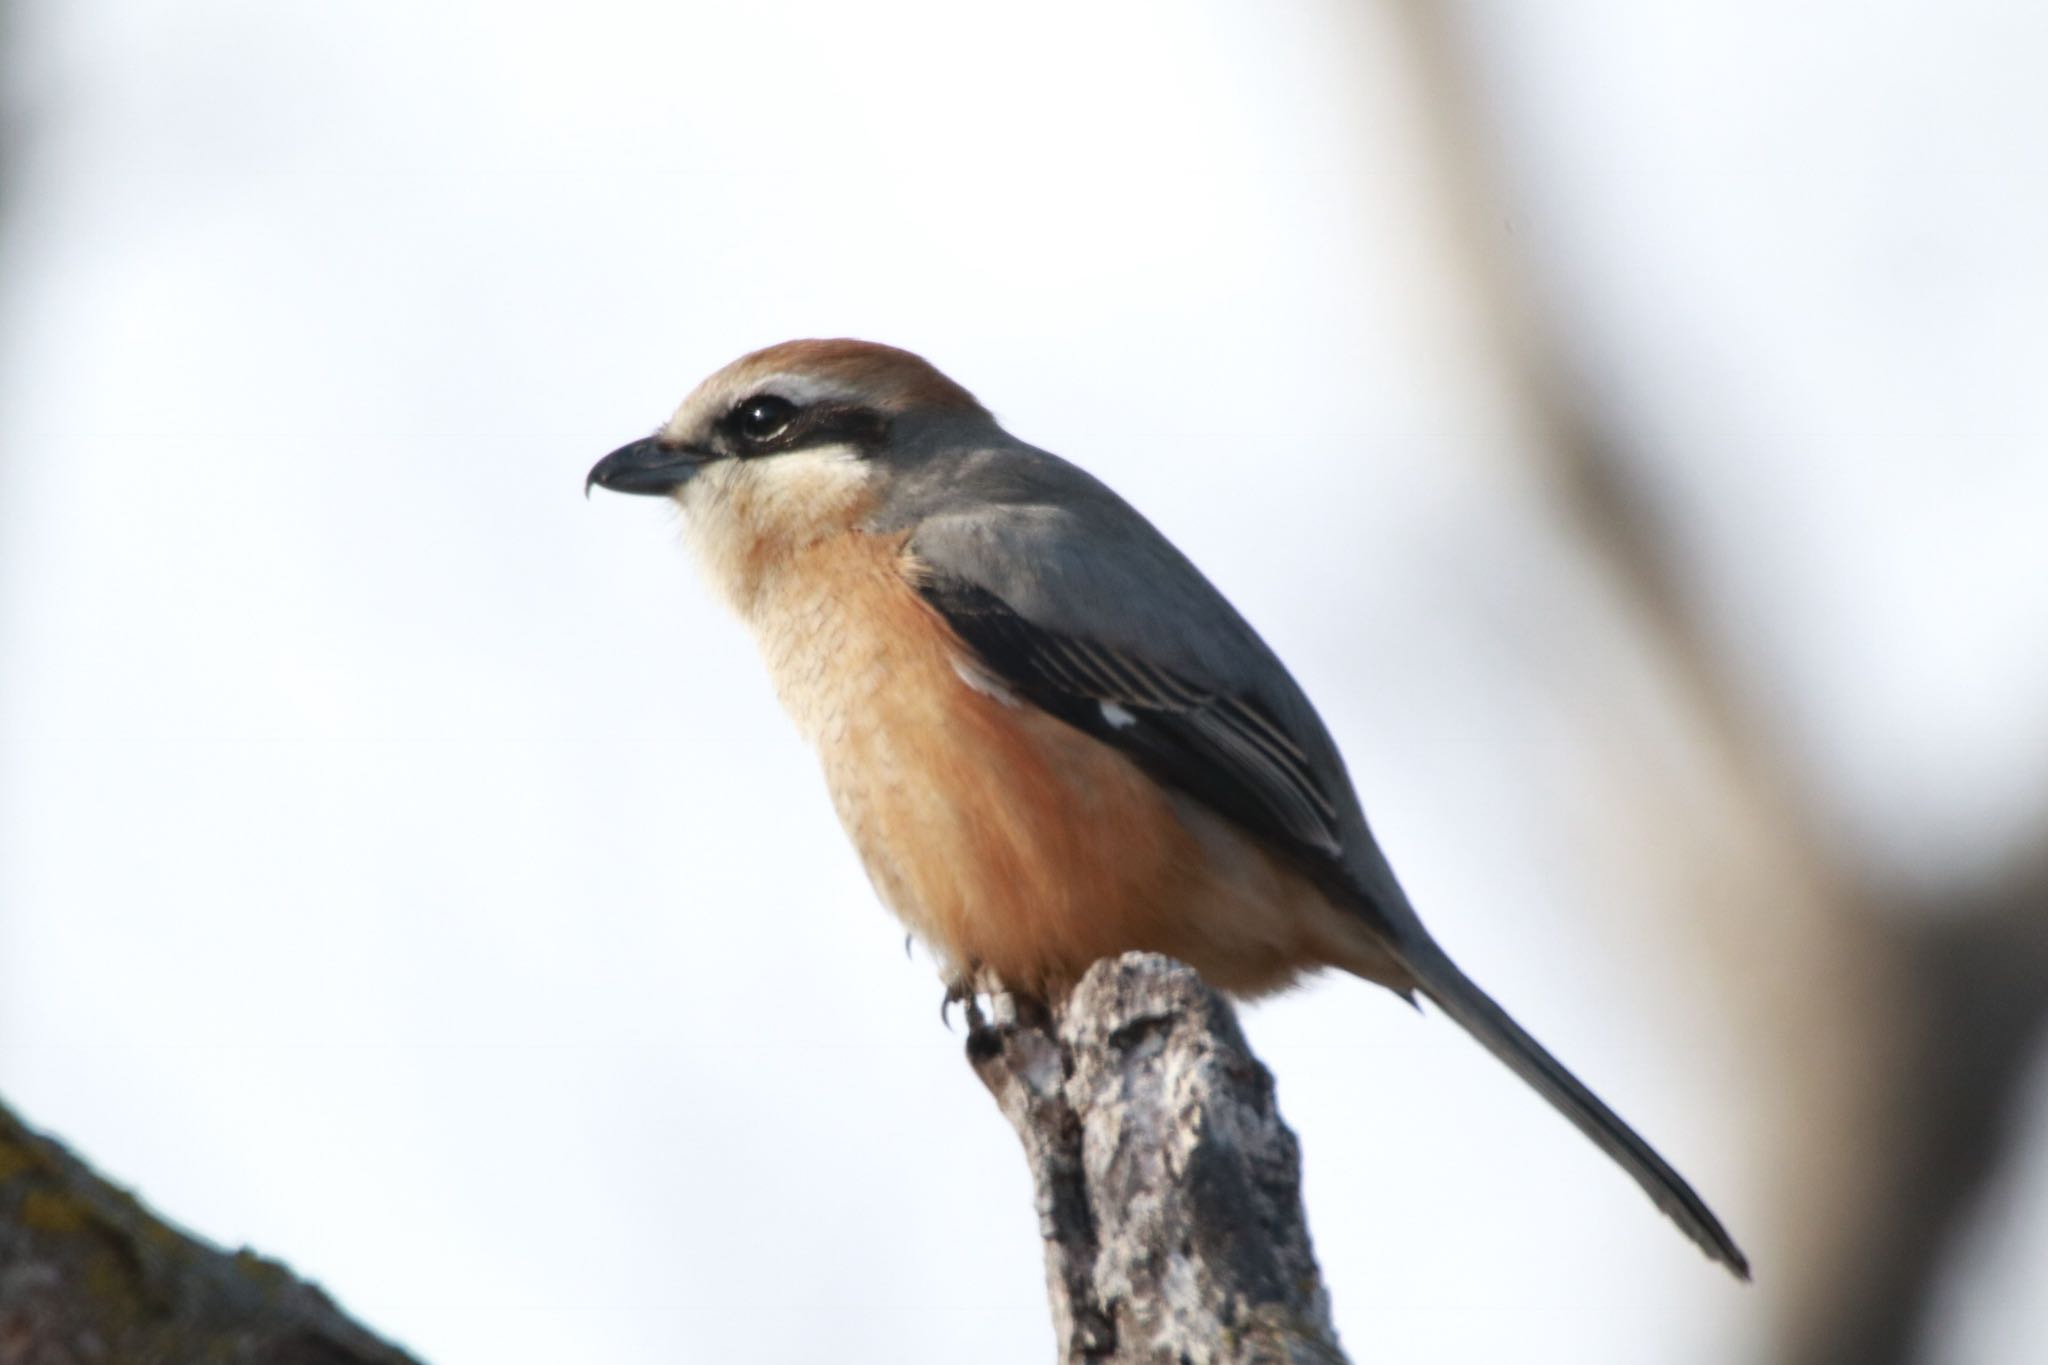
(1005, 839)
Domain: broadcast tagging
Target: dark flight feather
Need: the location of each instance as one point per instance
(1226, 751)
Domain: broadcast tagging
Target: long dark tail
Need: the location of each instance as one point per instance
(1454, 993)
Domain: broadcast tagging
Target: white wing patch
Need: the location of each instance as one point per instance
(1250, 745)
(1228, 751)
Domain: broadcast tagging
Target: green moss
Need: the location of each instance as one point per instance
(149, 1291)
(268, 1276)
(53, 1211)
(15, 1158)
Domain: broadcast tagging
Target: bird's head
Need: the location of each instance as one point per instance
(829, 402)
(784, 446)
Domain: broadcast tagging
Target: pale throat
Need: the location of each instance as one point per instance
(749, 522)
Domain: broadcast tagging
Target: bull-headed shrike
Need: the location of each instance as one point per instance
(1050, 738)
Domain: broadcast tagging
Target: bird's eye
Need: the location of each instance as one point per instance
(762, 418)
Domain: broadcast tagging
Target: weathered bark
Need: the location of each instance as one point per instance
(1169, 1190)
(89, 1276)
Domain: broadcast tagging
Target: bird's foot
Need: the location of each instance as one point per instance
(964, 987)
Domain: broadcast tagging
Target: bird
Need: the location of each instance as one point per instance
(1050, 738)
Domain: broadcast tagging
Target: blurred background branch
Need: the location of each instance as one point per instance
(1898, 1024)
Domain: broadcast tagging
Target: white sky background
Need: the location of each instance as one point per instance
(405, 869)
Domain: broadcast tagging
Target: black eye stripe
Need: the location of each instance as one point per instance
(768, 424)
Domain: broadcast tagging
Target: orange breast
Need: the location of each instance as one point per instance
(1003, 837)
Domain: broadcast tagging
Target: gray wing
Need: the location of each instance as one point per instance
(1079, 606)
(1223, 748)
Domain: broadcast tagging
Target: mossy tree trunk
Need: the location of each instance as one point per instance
(88, 1275)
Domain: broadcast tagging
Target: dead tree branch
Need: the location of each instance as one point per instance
(1169, 1190)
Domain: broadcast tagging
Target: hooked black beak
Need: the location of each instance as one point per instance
(648, 466)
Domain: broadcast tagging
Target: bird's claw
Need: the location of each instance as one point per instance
(961, 990)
